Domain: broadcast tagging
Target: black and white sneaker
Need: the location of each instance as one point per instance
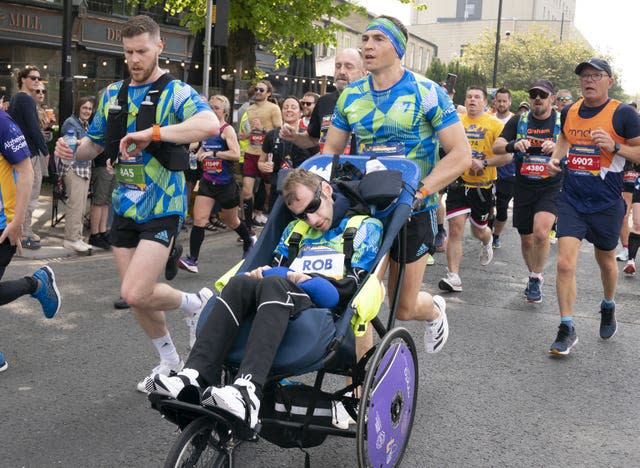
(239, 399)
(437, 331)
(171, 385)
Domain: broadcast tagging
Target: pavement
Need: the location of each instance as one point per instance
(492, 397)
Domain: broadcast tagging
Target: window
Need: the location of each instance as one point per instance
(410, 52)
(347, 41)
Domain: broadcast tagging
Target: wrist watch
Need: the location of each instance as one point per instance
(485, 163)
(616, 148)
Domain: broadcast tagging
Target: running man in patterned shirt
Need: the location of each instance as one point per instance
(393, 111)
(150, 201)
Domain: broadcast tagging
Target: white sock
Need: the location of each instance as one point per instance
(535, 275)
(190, 304)
(166, 349)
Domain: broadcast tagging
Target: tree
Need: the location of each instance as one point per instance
(286, 26)
(467, 76)
(525, 57)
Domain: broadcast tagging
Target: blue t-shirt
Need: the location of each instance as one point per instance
(13, 149)
(159, 192)
(399, 121)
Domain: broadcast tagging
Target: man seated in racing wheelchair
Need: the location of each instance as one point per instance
(318, 276)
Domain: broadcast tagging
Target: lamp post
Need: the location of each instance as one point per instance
(207, 49)
(497, 51)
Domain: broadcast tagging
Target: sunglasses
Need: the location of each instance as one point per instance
(537, 93)
(41, 91)
(307, 103)
(34, 78)
(564, 98)
(261, 90)
(313, 205)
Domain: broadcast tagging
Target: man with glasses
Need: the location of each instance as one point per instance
(273, 294)
(531, 138)
(308, 103)
(262, 116)
(563, 98)
(598, 135)
(23, 110)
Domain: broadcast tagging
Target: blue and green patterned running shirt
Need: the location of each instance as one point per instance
(399, 121)
(159, 192)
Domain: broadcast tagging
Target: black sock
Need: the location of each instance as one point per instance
(13, 289)
(195, 241)
(247, 207)
(243, 232)
(634, 244)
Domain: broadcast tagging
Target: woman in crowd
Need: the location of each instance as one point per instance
(217, 184)
(280, 154)
(76, 176)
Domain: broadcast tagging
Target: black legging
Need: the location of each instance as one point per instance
(271, 301)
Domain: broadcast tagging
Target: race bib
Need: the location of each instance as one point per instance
(324, 261)
(535, 167)
(212, 165)
(391, 148)
(326, 123)
(256, 138)
(131, 174)
(630, 177)
(584, 160)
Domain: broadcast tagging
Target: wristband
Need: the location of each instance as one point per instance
(155, 132)
(485, 163)
(510, 148)
(424, 192)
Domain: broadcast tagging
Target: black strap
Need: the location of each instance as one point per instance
(153, 94)
(347, 248)
(334, 167)
(294, 247)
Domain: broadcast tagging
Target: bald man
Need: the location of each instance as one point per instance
(349, 67)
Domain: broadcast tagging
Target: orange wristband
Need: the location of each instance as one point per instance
(424, 192)
(155, 132)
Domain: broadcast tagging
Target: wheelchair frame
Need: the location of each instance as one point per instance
(381, 435)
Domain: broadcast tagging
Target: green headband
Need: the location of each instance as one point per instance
(393, 33)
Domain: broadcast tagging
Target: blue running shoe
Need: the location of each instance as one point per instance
(47, 293)
(534, 295)
(3, 363)
(566, 339)
(608, 323)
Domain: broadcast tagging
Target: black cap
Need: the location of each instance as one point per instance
(543, 85)
(596, 63)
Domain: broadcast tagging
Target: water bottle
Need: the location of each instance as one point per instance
(71, 140)
(193, 161)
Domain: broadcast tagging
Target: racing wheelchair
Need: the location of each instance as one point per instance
(322, 341)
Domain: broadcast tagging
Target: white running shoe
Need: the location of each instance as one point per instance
(486, 253)
(630, 267)
(339, 416)
(436, 332)
(192, 322)
(622, 255)
(162, 368)
(451, 283)
(171, 386)
(234, 399)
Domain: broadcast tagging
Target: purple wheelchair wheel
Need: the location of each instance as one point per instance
(388, 402)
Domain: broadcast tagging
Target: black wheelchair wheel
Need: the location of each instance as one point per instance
(199, 445)
(388, 402)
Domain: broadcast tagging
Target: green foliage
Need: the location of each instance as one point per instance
(287, 26)
(525, 57)
(467, 76)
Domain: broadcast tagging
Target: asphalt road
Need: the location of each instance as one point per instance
(492, 397)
